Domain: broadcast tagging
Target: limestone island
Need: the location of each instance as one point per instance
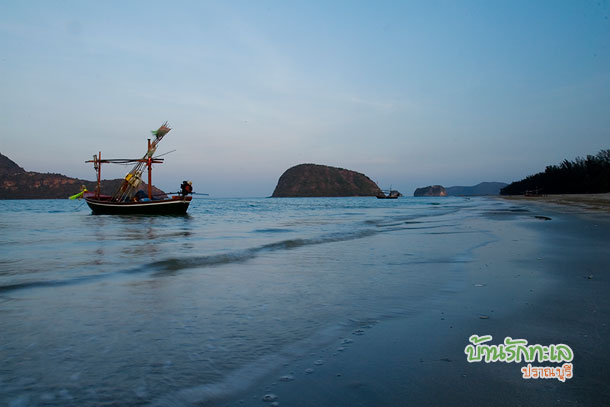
(432, 190)
(313, 180)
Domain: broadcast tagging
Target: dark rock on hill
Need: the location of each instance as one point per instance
(312, 180)
(482, 189)
(432, 190)
(16, 183)
(9, 167)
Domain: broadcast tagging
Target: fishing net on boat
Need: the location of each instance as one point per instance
(161, 131)
(133, 178)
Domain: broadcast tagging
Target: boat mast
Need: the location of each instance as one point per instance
(98, 167)
(149, 165)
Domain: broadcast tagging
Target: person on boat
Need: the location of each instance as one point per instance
(186, 188)
(140, 196)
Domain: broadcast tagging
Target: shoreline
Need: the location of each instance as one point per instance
(587, 202)
(555, 293)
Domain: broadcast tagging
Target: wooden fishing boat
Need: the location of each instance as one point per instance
(389, 194)
(104, 205)
(129, 199)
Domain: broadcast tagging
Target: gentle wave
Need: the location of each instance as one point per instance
(272, 230)
(175, 264)
(52, 283)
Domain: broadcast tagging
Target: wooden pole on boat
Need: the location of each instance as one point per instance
(149, 163)
(99, 175)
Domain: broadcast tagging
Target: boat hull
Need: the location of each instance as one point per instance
(161, 207)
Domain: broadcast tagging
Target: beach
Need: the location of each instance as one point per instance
(300, 302)
(557, 293)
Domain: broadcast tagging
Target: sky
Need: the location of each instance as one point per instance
(410, 93)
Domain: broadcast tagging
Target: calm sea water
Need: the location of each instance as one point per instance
(136, 310)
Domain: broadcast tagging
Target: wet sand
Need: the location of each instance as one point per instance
(557, 293)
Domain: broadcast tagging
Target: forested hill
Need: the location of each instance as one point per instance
(590, 175)
(17, 183)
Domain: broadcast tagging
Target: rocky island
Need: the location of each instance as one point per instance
(17, 183)
(313, 180)
(432, 190)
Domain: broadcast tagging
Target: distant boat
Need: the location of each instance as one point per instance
(128, 199)
(389, 194)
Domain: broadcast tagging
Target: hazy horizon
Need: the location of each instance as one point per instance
(409, 93)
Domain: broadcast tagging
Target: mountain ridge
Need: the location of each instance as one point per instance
(481, 189)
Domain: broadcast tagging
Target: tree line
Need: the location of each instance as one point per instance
(588, 175)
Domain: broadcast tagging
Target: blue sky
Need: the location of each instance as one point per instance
(411, 93)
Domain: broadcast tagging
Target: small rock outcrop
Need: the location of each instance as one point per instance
(313, 180)
(432, 190)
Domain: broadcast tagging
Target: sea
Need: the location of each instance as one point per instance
(199, 309)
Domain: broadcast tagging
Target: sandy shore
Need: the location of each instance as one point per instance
(590, 202)
(545, 279)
